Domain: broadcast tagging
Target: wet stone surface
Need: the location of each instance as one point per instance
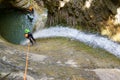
(55, 59)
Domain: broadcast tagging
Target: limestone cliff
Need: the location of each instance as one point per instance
(17, 3)
(101, 16)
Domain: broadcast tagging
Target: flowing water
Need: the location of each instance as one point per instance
(90, 39)
(12, 25)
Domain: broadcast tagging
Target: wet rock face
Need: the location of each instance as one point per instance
(22, 4)
(76, 12)
(99, 16)
(87, 13)
(57, 59)
(0, 0)
(115, 2)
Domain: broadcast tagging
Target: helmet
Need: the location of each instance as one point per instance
(27, 30)
(30, 8)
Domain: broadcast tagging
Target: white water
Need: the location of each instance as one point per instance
(90, 39)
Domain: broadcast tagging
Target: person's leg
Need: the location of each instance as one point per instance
(32, 37)
(31, 40)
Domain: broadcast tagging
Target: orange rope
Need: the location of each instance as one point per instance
(26, 67)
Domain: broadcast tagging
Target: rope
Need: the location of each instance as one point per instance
(26, 67)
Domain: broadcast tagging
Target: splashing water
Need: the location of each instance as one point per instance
(90, 39)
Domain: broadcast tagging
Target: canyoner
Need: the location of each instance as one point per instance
(29, 36)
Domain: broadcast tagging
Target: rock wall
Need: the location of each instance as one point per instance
(88, 15)
(101, 16)
(21, 4)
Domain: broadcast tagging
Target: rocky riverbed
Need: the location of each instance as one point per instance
(57, 59)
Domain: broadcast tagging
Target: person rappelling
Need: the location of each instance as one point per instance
(31, 13)
(29, 36)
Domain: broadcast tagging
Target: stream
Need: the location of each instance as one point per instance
(93, 40)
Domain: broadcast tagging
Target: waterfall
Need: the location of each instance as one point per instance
(93, 40)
